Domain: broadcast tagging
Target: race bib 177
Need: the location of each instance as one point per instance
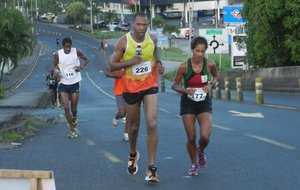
(198, 96)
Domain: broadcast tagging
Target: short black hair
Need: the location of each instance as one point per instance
(199, 40)
(66, 40)
(141, 14)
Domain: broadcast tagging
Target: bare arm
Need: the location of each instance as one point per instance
(214, 72)
(160, 67)
(57, 72)
(176, 86)
(83, 57)
(112, 74)
(116, 63)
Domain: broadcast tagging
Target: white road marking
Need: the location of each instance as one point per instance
(270, 141)
(222, 127)
(111, 157)
(164, 110)
(98, 87)
(242, 114)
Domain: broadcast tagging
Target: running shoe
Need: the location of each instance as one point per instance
(124, 119)
(74, 121)
(115, 122)
(151, 174)
(201, 159)
(125, 137)
(132, 164)
(193, 171)
(72, 134)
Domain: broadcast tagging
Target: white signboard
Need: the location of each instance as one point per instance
(238, 52)
(217, 40)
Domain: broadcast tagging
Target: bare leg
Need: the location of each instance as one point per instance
(133, 121)
(65, 100)
(150, 111)
(74, 103)
(189, 126)
(204, 120)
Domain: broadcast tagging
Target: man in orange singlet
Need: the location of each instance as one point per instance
(118, 91)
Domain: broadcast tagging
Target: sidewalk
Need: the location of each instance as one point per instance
(24, 99)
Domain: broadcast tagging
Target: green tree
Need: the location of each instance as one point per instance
(158, 22)
(273, 30)
(291, 23)
(7, 3)
(50, 6)
(168, 29)
(16, 39)
(76, 11)
(110, 16)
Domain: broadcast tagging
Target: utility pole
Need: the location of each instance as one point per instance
(150, 15)
(191, 14)
(36, 10)
(91, 15)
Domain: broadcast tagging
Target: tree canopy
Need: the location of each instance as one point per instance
(16, 39)
(76, 11)
(15, 35)
(273, 29)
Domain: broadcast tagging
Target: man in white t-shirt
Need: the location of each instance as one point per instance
(67, 68)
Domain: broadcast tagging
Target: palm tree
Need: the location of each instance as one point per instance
(16, 38)
(168, 29)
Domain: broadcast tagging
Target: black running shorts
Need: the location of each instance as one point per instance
(72, 88)
(188, 106)
(132, 98)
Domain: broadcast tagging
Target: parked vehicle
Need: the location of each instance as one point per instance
(99, 25)
(125, 27)
(47, 17)
(183, 33)
(112, 25)
(171, 14)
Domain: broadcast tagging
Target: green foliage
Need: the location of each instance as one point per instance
(169, 28)
(20, 129)
(158, 22)
(76, 11)
(173, 54)
(50, 6)
(15, 35)
(7, 3)
(110, 16)
(2, 92)
(16, 39)
(223, 62)
(273, 29)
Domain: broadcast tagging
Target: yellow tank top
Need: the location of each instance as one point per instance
(144, 75)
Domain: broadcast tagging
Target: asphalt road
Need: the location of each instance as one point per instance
(251, 147)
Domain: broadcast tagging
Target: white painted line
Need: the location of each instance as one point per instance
(282, 107)
(98, 87)
(25, 78)
(111, 157)
(270, 141)
(164, 110)
(90, 142)
(222, 127)
(179, 116)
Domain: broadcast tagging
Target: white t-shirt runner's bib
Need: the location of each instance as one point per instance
(198, 96)
(69, 73)
(142, 68)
